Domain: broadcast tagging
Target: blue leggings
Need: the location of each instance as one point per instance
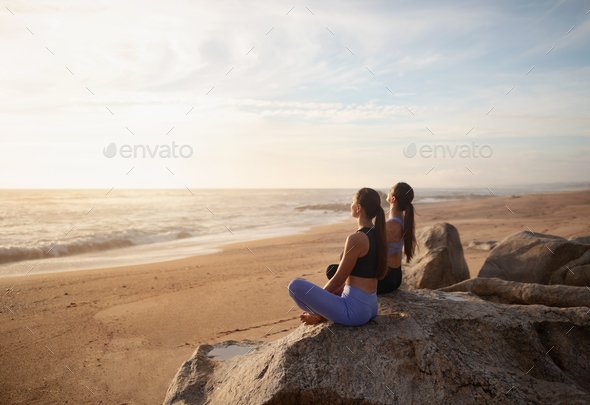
(353, 307)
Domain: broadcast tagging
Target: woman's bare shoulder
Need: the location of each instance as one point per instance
(394, 230)
(393, 225)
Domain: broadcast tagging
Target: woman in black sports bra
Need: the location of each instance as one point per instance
(350, 296)
(400, 235)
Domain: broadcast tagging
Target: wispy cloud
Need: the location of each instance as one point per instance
(300, 92)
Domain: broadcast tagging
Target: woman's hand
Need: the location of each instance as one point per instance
(339, 291)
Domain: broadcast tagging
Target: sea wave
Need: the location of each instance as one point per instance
(98, 242)
(325, 207)
(445, 198)
(344, 207)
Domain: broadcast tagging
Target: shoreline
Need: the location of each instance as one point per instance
(124, 331)
(202, 250)
(123, 254)
(170, 253)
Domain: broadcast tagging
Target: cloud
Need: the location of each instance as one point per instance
(321, 84)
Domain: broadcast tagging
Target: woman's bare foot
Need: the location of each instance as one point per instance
(308, 319)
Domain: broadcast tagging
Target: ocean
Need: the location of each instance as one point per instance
(49, 230)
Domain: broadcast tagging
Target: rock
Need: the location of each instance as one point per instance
(423, 347)
(383, 196)
(483, 245)
(439, 260)
(585, 240)
(538, 258)
(512, 292)
(384, 203)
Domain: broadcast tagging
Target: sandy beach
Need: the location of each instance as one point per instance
(118, 335)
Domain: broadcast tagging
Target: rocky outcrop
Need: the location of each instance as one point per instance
(439, 260)
(537, 258)
(512, 292)
(585, 240)
(423, 347)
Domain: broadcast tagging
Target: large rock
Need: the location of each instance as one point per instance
(537, 258)
(439, 260)
(423, 347)
(581, 239)
(512, 292)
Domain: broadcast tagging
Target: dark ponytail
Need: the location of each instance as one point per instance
(370, 200)
(410, 233)
(381, 237)
(404, 194)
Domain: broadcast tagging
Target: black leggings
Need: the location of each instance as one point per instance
(391, 282)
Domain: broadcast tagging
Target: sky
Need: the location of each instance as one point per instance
(329, 94)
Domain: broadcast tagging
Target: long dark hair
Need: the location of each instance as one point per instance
(370, 200)
(404, 194)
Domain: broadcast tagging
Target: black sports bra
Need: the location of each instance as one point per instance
(365, 266)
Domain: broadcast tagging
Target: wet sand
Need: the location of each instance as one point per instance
(118, 335)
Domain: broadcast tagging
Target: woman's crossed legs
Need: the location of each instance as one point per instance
(342, 308)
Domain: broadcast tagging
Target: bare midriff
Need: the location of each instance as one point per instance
(394, 260)
(368, 285)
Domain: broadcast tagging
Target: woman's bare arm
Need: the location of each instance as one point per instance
(346, 264)
(394, 234)
(339, 291)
